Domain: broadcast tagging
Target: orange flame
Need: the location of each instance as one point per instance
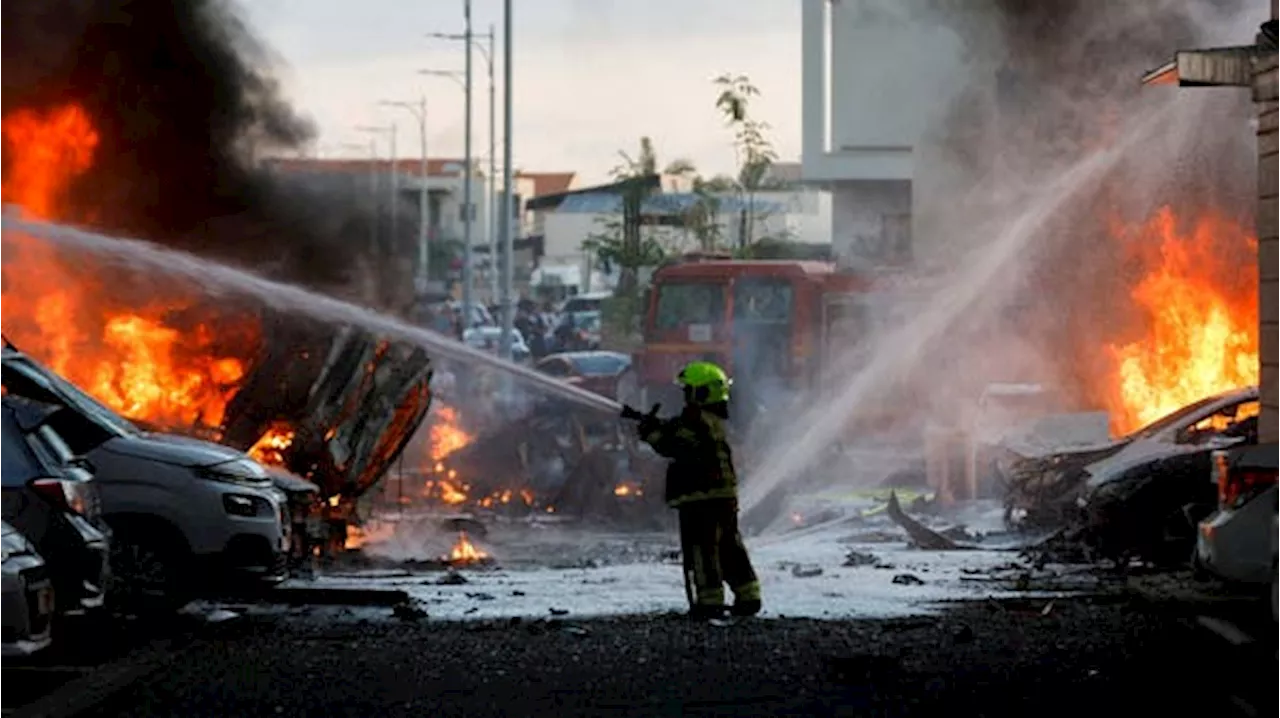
(1202, 327)
(270, 448)
(360, 536)
(68, 315)
(464, 551)
(445, 434)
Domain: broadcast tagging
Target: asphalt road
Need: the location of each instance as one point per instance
(1076, 657)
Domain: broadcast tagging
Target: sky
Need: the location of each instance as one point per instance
(590, 77)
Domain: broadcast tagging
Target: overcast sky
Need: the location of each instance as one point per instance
(590, 76)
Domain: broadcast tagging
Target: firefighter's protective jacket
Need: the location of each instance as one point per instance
(701, 465)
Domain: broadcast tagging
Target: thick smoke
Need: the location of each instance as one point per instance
(1046, 85)
(185, 105)
(1051, 82)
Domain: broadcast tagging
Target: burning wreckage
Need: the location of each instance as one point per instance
(1140, 496)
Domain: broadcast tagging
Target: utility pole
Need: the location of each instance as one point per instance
(491, 223)
(508, 208)
(468, 207)
(419, 112)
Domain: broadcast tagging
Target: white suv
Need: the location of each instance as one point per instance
(187, 516)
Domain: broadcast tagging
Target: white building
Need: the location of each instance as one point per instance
(874, 76)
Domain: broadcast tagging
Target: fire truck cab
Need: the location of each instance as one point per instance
(772, 324)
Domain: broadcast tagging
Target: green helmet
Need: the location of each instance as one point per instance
(709, 384)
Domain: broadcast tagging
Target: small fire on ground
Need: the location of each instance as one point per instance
(464, 552)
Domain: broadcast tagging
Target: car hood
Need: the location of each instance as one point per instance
(1143, 451)
(171, 449)
(14, 542)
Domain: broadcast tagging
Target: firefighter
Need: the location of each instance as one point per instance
(702, 486)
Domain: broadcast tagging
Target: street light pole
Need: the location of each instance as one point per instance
(493, 177)
(508, 209)
(468, 209)
(491, 223)
(419, 112)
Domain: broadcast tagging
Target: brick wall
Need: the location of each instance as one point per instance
(1264, 93)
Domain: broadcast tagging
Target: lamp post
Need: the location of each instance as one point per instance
(419, 112)
(508, 210)
(468, 211)
(491, 221)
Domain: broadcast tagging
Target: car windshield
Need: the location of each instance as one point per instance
(599, 364)
(1178, 417)
(682, 303)
(589, 321)
(66, 393)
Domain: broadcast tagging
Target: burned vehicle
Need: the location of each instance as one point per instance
(1140, 496)
(555, 460)
(336, 406)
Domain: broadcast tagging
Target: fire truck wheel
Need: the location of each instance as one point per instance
(146, 563)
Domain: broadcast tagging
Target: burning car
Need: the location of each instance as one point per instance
(184, 514)
(1140, 495)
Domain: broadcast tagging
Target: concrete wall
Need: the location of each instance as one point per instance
(875, 73)
(1265, 94)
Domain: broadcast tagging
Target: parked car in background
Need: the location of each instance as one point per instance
(588, 302)
(576, 332)
(28, 598)
(186, 515)
(490, 338)
(1237, 541)
(595, 371)
(49, 496)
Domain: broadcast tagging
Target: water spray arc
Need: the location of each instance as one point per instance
(216, 278)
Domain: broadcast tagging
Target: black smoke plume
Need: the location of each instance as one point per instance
(182, 96)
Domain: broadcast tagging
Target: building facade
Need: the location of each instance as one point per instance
(873, 77)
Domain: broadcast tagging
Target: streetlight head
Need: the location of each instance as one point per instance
(447, 36)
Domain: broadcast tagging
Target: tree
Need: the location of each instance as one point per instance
(619, 241)
(755, 153)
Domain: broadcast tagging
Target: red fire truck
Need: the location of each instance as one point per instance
(773, 324)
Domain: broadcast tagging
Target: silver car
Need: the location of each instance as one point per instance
(28, 597)
(1237, 541)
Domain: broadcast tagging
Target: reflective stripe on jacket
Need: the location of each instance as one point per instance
(701, 465)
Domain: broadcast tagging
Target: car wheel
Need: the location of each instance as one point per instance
(148, 567)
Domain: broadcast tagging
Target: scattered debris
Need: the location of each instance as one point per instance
(481, 596)
(908, 579)
(453, 578)
(800, 571)
(408, 611)
(858, 558)
(517, 593)
(921, 535)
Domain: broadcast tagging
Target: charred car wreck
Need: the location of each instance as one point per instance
(1139, 497)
